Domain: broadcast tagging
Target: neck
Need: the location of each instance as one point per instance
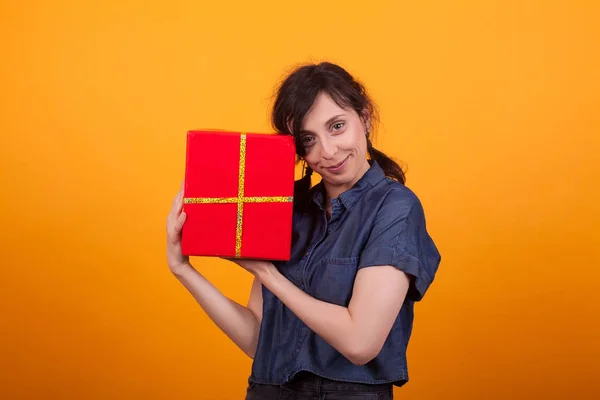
(334, 191)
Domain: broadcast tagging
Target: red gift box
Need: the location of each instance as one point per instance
(238, 195)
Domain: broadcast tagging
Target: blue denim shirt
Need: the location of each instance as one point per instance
(377, 222)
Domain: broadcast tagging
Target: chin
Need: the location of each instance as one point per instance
(338, 179)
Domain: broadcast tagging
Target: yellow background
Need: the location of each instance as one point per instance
(493, 106)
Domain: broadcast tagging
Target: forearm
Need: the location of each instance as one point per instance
(333, 323)
(239, 323)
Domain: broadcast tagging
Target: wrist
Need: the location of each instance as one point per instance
(182, 269)
(266, 272)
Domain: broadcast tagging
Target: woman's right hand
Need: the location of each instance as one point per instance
(175, 221)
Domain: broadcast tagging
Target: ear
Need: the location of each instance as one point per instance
(290, 126)
(366, 118)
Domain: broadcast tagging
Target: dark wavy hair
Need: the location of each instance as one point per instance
(295, 96)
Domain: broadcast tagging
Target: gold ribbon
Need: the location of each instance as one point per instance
(240, 199)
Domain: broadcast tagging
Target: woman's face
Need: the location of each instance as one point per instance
(335, 143)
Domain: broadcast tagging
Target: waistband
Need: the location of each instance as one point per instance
(308, 381)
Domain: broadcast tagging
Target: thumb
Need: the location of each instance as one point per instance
(180, 221)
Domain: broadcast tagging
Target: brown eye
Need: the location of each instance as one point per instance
(306, 140)
(338, 125)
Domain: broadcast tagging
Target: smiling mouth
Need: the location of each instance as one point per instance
(337, 165)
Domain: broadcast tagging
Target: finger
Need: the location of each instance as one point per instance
(174, 211)
(178, 224)
(170, 216)
(174, 205)
(174, 230)
(180, 195)
(177, 203)
(170, 223)
(180, 221)
(179, 206)
(173, 238)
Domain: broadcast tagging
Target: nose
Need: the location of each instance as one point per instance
(328, 149)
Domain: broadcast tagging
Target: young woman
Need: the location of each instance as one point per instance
(334, 321)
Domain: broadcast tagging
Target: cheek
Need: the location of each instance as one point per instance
(356, 143)
(311, 158)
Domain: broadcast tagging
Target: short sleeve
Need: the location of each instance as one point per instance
(399, 238)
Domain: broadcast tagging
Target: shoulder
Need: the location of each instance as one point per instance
(396, 199)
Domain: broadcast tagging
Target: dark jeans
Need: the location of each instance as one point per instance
(306, 386)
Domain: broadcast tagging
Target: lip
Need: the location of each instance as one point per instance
(338, 167)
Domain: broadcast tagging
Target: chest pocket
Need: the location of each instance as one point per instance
(333, 278)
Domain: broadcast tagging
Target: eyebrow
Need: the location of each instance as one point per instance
(329, 121)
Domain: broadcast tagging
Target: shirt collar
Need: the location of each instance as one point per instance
(350, 197)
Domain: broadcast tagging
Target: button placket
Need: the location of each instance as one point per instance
(312, 248)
